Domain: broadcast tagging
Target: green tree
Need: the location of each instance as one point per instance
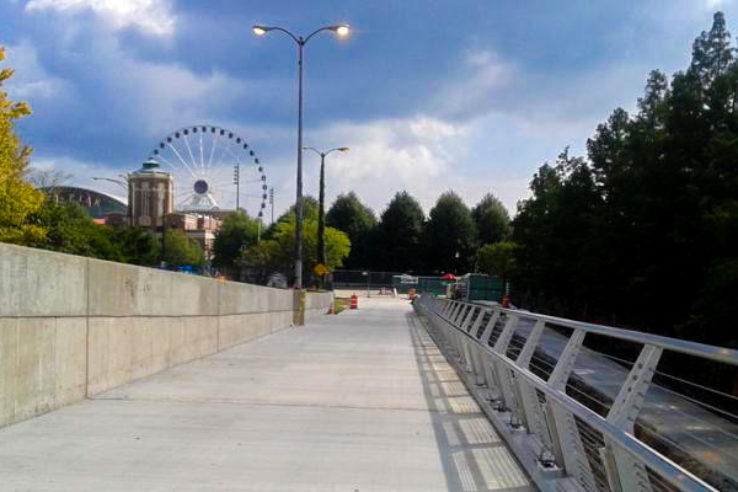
(138, 245)
(491, 219)
(711, 51)
(653, 215)
(349, 215)
(238, 231)
(497, 259)
(451, 236)
(309, 210)
(553, 259)
(278, 252)
(400, 235)
(181, 250)
(70, 229)
(18, 199)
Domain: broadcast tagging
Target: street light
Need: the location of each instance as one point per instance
(321, 200)
(341, 30)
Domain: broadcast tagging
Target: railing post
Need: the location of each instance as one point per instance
(467, 363)
(535, 417)
(624, 469)
(530, 345)
(447, 307)
(560, 375)
(504, 378)
(488, 363)
(575, 459)
(477, 351)
(629, 401)
(451, 310)
(468, 317)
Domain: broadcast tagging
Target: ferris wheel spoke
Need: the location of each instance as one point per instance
(182, 193)
(189, 196)
(240, 164)
(175, 169)
(166, 161)
(212, 149)
(189, 150)
(202, 159)
(226, 148)
(211, 198)
(182, 160)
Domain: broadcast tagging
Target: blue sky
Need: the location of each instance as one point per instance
(430, 95)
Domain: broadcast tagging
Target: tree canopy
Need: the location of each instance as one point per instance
(18, 198)
(237, 231)
(400, 235)
(277, 254)
(491, 219)
(451, 235)
(643, 232)
(181, 250)
(349, 215)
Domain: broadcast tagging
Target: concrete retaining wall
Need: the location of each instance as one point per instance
(317, 304)
(72, 327)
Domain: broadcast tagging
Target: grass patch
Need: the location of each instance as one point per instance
(339, 304)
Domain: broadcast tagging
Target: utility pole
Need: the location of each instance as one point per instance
(271, 201)
(237, 182)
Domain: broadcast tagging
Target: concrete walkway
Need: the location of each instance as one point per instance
(358, 402)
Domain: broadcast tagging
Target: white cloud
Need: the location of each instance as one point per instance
(150, 16)
(81, 173)
(30, 80)
(422, 155)
(471, 91)
(715, 4)
(171, 96)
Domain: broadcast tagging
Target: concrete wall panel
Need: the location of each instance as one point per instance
(72, 327)
(124, 349)
(236, 298)
(317, 303)
(127, 290)
(42, 365)
(34, 282)
(8, 355)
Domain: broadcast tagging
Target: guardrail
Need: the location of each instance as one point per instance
(576, 411)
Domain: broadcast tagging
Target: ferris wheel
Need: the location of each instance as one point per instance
(213, 169)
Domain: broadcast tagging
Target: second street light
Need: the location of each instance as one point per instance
(321, 201)
(341, 30)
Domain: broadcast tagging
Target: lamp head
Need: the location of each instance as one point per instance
(341, 30)
(260, 30)
(343, 149)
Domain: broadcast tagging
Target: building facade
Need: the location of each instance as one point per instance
(150, 196)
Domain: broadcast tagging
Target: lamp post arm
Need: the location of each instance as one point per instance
(313, 149)
(325, 28)
(288, 33)
(332, 150)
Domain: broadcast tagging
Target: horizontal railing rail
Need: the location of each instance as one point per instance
(588, 416)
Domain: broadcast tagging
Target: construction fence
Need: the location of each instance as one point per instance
(469, 287)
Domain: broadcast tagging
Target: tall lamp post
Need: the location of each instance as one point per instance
(341, 30)
(321, 200)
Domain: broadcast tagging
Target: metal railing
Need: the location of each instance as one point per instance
(576, 413)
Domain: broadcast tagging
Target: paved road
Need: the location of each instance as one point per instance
(361, 402)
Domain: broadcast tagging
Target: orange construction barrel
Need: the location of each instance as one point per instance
(354, 302)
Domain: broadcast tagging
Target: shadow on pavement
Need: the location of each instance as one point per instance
(473, 455)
